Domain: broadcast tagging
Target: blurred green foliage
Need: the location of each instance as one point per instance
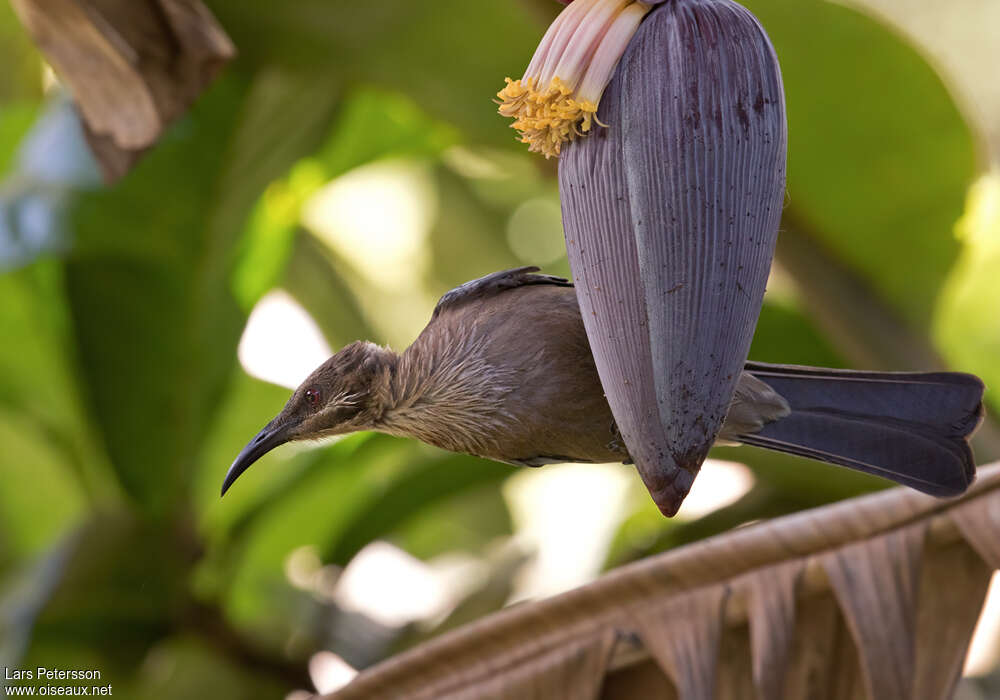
(122, 400)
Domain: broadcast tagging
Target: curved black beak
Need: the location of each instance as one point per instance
(271, 436)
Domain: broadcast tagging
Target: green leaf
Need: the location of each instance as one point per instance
(37, 478)
(24, 595)
(15, 121)
(785, 335)
(468, 239)
(469, 520)
(376, 124)
(450, 56)
(270, 241)
(325, 489)
(149, 279)
(879, 155)
(967, 325)
(50, 461)
(21, 78)
(247, 406)
(425, 485)
(120, 586)
(191, 667)
(315, 277)
(37, 378)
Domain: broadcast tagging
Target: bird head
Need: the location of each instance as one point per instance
(346, 393)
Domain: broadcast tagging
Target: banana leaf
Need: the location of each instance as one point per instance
(873, 597)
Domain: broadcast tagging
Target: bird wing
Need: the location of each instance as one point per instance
(493, 284)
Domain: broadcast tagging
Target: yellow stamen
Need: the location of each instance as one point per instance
(549, 113)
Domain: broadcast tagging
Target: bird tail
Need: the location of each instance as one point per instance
(911, 428)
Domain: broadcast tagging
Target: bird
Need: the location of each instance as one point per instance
(503, 370)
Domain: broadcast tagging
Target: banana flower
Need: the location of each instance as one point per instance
(668, 118)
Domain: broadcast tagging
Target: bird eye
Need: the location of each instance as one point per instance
(312, 397)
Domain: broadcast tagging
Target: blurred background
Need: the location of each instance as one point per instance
(343, 172)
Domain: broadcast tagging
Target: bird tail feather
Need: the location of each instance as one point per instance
(912, 428)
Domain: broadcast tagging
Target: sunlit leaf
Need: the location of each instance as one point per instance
(879, 156)
(967, 326)
(15, 120)
(21, 78)
(376, 124)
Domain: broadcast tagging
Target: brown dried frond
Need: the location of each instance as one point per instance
(875, 596)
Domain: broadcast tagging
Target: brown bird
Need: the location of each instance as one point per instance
(504, 371)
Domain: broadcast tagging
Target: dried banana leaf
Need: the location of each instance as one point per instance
(133, 66)
(873, 597)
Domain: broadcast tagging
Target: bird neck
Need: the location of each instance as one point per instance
(444, 392)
